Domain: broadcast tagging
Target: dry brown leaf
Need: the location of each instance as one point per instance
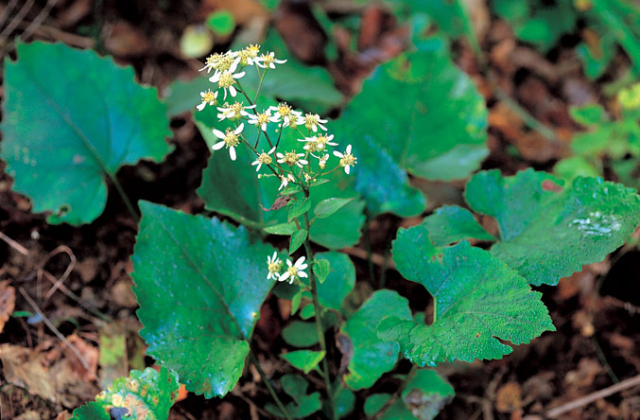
(125, 40)
(7, 302)
(74, 13)
(88, 352)
(587, 371)
(509, 397)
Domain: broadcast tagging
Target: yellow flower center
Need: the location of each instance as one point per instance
(263, 118)
(226, 80)
(348, 159)
(322, 142)
(267, 59)
(293, 271)
(284, 110)
(291, 158)
(209, 97)
(213, 59)
(224, 62)
(231, 139)
(265, 158)
(274, 268)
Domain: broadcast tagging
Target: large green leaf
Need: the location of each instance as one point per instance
(200, 284)
(143, 395)
(417, 113)
(423, 398)
(372, 357)
(340, 281)
(451, 224)
(232, 188)
(72, 118)
(478, 301)
(549, 230)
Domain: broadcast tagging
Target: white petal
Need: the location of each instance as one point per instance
(338, 154)
(289, 263)
(218, 145)
(347, 169)
(349, 149)
(239, 75)
(233, 91)
(273, 149)
(201, 106)
(302, 274)
(219, 134)
(284, 276)
(232, 153)
(239, 129)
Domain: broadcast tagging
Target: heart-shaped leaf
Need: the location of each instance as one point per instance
(549, 230)
(436, 131)
(478, 301)
(148, 394)
(200, 284)
(303, 404)
(451, 224)
(372, 357)
(61, 140)
(305, 360)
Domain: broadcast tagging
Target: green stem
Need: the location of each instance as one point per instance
(318, 312)
(398, 393)
(124, 197)
(266, 381)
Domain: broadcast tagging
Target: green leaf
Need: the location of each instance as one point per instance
(305, 360)
(303, 404)
(148, 394)
(300, 334)
(571, 168)
(181, 96)
(435, 129)
(221, 22)
(200, 284)
(423, 398)
(232, 189)
(344, 400)
(321, 269)
(589, 114)
(339, 282)
(549, 230)
(298, 208)
(329, 206)
(372, 357)
(285, 229)
(451, 224)
(71, 123)
(478, 301)
(297, 239)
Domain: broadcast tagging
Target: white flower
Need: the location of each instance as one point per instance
(261, 120)
(284, 181)
(268, 60)
(292, 158)
(248, 56)
(263, 158)
(322, 161)
(289, 117)
(226, 80)
(274, 265)
(347, 160)
(294, 270)
(318, 143)
(230, 139)
(208, 98)
(234, 111)
(313, 121)
(222, 62)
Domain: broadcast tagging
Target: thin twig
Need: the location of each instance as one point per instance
(72, 264)
(57, 333)
(33, 26)
(6, 11)
(396, 395)
(13, 244)
(16, 20)
(595, 396)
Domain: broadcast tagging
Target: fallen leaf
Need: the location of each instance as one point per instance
(89, 354)
(113, 353)
(584, 376)
(7, 302)
(509, 397)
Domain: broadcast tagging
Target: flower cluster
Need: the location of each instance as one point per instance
(299, 163)
(294, 270)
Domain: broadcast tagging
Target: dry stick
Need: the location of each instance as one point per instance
(588, 399)
(72, 264)
(17, 19)
(13, 244)
(57, 333)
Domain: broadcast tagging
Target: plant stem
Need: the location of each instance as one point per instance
(124, 197)
(318, 313)
(398, 393)
(279, 403)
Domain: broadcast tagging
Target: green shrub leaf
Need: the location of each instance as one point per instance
(200, 284)
(451, 224)
(321, 270)
(148, 394)
(549, 230)
(305, 360)
(303, 404)
(285, 229)
(61, 139)
(437, 131)
(478, 299)
(300, 334)
(297, 239)
(298, 208)
(372, 357)
(329, 206)
(340, 280)
(423, 398)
